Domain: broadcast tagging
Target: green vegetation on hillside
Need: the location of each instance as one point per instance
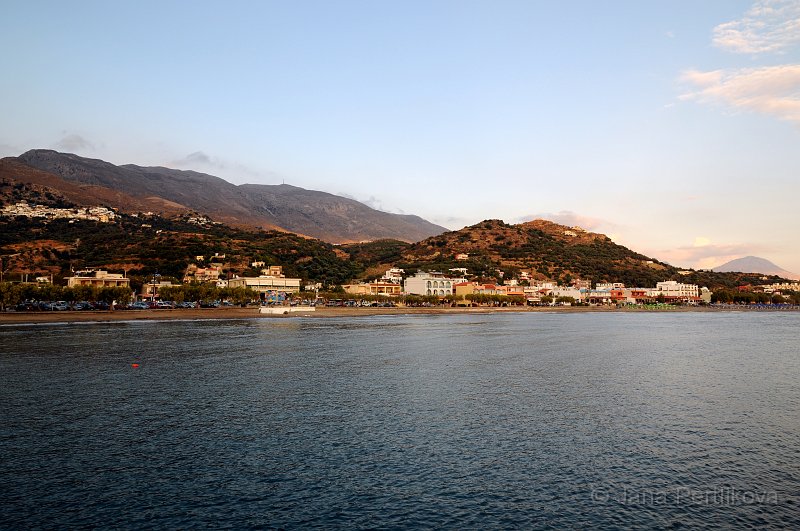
(144, 245)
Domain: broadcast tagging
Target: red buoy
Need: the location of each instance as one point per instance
(135, 365)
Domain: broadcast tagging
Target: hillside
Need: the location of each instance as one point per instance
(132, 188)
(143, 245)
(540, 248)
(546, 250)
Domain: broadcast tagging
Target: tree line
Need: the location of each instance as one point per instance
(743, 297)
(14, 293)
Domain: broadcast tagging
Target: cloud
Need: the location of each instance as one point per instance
(768, 26)
(704, 254)
(203, 162)
(571, 219)
(452, 222)
(74, 142)
(199, 159)
(773, 90)
(7, 150)
(372, 202)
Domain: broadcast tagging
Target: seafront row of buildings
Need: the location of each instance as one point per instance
(434, 283)
(394, 282)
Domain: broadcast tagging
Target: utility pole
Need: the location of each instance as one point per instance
(153, 298)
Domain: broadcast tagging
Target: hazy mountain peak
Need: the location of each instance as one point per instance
(754, 264)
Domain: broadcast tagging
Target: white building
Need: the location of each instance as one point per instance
(672, 289)
(273, 279)
(264, 284)
(608, 286)
(431, 283)
(393, 275)
(563, 291)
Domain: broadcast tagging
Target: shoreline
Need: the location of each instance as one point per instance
(8, 318)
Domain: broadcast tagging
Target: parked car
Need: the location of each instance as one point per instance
(60, 306)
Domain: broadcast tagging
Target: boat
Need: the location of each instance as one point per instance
(285, 310)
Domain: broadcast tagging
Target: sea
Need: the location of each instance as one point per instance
(467, 421)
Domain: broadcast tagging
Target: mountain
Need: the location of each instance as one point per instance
(132, 188)
(754, 264)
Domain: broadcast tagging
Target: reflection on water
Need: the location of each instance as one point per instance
(578, 420)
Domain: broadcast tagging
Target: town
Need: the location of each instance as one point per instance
(22, 208)
(205, 286)
(216, 279)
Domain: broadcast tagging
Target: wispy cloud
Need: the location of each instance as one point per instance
(7, 150)
(704, 254)
(74, 142)
(201, 161)
(452, 222)
(372, 202)
(768, 26)
(773, 90)
(571, 219)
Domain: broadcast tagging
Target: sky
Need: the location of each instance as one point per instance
(673, 127)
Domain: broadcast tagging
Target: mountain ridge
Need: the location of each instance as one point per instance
(310, 213)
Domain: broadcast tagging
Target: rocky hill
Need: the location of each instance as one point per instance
(545, 250)
(132, 188)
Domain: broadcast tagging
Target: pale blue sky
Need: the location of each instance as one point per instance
(674, 127)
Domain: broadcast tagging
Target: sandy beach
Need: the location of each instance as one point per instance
(320, 312)
(232, 313)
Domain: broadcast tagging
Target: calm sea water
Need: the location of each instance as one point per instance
(465, 421)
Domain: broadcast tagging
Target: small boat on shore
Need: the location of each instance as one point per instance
(285, 310)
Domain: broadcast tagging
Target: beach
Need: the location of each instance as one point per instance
(319, 312)
(246, 313)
